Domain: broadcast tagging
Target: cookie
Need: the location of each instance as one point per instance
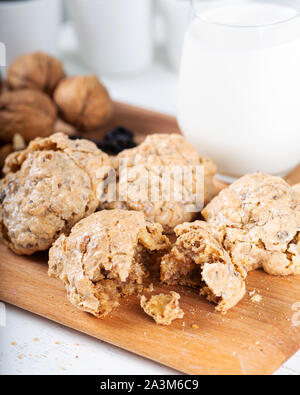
(154, 174)
(104, 258)
(197, 259)
(163, 308)
(297, 188)
(48, 188)
(258, 221)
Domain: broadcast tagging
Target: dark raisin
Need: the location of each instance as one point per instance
(117, 140)
(119, 132)
(76, 137)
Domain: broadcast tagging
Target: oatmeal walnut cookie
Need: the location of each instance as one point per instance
(197, 259)
(148, 188)
(163, 308)
(258, 221)
(48, 188)
(104, 258)
(297, 188)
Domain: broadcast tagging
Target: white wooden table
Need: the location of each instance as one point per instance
(30, 344)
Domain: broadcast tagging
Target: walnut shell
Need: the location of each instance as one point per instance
(84, 102)
(35, 71)
(27, 112)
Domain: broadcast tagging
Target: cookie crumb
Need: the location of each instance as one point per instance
(163, 308)
(256, 298)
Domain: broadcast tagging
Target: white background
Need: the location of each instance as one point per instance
(32, 345)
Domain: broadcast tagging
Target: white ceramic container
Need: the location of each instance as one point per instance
(28, 26)
(175, 16)
(115, 36)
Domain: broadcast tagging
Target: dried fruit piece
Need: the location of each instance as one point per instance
(117, 140)
(84, 102)
(27, 112)
(35, 71)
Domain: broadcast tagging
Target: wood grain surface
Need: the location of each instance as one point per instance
(253, 338)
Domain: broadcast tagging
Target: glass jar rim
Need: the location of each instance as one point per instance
(241, 26)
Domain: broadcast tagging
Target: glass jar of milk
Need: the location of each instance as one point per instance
(239, 90)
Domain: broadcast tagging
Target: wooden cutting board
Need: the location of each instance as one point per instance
(253, 338)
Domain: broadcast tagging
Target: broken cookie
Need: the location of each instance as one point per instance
(166, 179)
(104, 258)
(48, 188)
(197, 259)
(163, 308)
(258, 221)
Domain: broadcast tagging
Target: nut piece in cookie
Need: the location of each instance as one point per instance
(258, 221)
(48, 188)
(198, 259)
(104, 258)
(162, 181)
(84, 102)
(35, 71)
(163, 308)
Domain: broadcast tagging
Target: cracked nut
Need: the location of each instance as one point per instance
(37, 71)
(83, 102)
(27, 112)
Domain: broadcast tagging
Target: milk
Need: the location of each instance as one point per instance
(239, 90)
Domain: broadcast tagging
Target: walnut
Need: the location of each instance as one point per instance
(84, 102)
(37, 71)
(27, 112)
